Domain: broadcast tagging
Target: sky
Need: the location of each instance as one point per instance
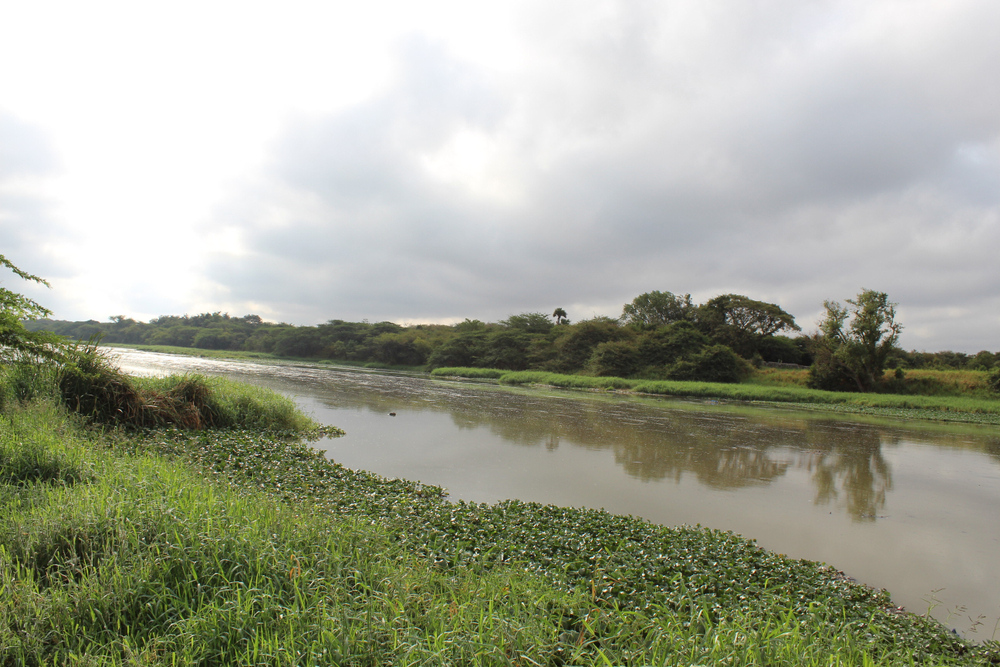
(436, 161)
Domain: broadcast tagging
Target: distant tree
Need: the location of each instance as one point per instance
(615, 358)
(715, 363)
(14, 308)
(671, 343)
(470, 325)
(655, 309)
(857, 350)
(528, 322)
(577, 345)
(560, 316)
(741, 322)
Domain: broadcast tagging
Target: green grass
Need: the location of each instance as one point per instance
(230, 404)
(944, 407)
(242, 547)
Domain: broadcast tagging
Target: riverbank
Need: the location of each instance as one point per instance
(245, 546)
(940, 408)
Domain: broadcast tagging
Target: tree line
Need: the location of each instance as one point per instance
(659, 335)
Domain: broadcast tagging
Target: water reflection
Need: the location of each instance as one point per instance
(855, 467)
(722, 450)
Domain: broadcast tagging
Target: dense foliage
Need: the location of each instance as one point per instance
(660, 336)
(15, 339)
(856, 342)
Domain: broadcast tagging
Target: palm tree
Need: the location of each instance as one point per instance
(559, 314)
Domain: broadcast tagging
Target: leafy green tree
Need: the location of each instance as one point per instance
(670, 344)
(856, 350)
(528, 322)
(614, 358)
(715, 363)
(577, 345)
(465, 349)
(14, 308)
(508, 350)
(741, 322)
(560, 316)
(655, 309)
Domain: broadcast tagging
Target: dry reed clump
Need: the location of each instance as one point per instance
(92, 385)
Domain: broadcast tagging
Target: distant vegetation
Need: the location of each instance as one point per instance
(659, 336)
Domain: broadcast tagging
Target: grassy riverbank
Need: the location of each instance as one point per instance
(948, 407)
(242, 545)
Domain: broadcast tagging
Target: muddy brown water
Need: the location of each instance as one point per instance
(903, 505)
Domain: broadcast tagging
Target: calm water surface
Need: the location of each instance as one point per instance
(907, 506)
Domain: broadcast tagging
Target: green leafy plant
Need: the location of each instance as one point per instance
(15, 339)
(855, 353)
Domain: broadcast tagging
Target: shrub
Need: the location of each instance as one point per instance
(671, 343)
(994, 381)
(717, 363)
(577, 346)
(507, 350)
(465, 349)
(614, 358)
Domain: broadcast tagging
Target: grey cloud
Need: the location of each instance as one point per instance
(787, 153)
(26, 222)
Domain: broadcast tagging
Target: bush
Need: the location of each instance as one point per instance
(25, 379)
(994, 381)
(507, 350)
(614, 358)
(671, 343)
(465, 349)
(577, 346)
(717, 363)
(90, 384)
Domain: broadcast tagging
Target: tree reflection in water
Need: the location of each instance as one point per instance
(723, 449)
(852, 464)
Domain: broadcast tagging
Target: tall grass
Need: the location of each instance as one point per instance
(89, 383)
(224, 403)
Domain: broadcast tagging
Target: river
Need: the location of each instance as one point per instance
(903, 505)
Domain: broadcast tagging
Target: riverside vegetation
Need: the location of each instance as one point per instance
(186, 521)
(659, 337)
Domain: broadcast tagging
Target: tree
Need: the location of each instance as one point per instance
(741, 322)
(655, 309)
(560, 316)
(528, 322)
(14, 307)
(856, 351)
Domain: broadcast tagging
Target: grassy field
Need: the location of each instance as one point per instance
(244, 546)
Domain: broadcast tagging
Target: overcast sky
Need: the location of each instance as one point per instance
(432, 161)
